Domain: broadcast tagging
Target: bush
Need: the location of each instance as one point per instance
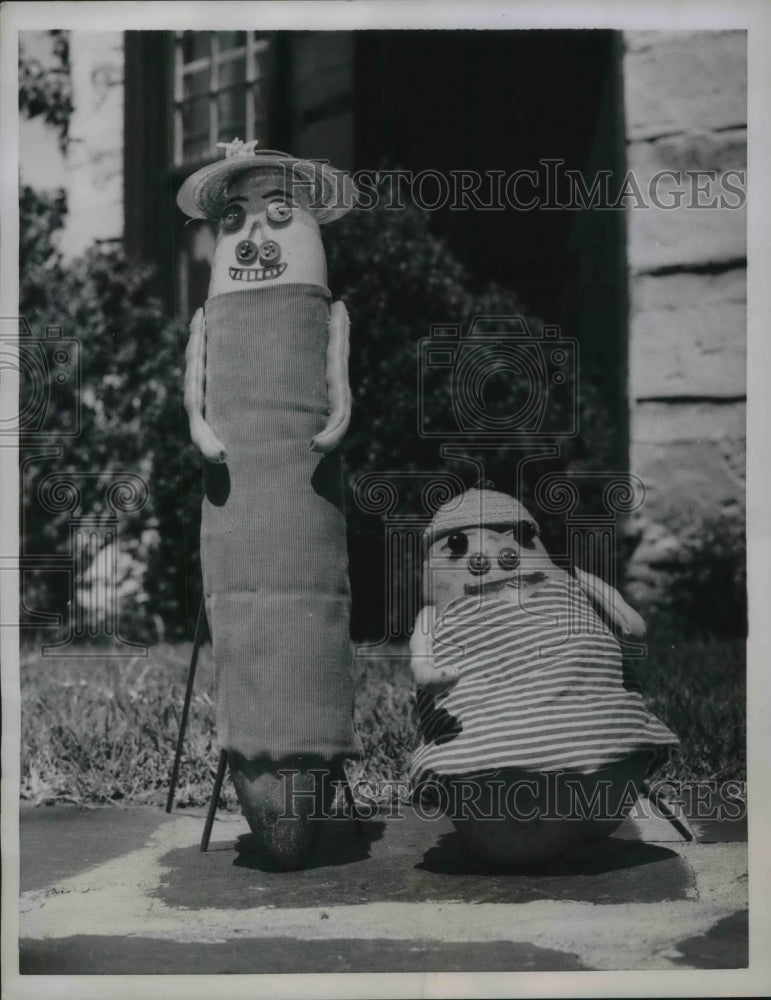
(131, 420)
(706, 590)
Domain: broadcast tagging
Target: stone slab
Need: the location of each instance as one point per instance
(400, 898)
(687, 480)
(684, 80)
(694, 150)
(723, 946)
(83, 955)
(58, 841)
(412, 859)
(687, 422)
(707, 236)
(691, 339)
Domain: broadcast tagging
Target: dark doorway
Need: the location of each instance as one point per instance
(506, 101)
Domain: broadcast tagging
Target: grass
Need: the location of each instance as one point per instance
(99, 730)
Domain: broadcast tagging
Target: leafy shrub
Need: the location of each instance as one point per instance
(47, 90)
(131, 418)
(706, 590)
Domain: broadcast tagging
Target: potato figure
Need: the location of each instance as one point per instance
(267, 395)
(526, 714)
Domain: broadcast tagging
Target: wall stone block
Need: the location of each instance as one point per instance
(719, 151)
(681, 81)
(688, 335)
(685, 236)
(687, 422)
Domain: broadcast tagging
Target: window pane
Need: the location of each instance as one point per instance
(195, 45)
(231, 39)
(195, 149)
(260, 110)
(195, 119)
(232, 113)
(232, 71)
(195, 83)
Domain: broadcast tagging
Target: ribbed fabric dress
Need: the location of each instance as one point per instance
(541, 688)
(273, 541)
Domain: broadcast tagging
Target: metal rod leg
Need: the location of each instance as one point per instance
(350, 802)
(186, 707)
(680, 823)
(215, 797)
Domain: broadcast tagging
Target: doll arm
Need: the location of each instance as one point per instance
(629, 623)
(424, 669)
(338, 388)
(195, 368)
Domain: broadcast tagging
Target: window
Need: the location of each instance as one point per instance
(220, 91)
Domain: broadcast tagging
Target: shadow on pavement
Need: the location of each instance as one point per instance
(82, 955)
(723, 946)
(608, 871)
(341, 843)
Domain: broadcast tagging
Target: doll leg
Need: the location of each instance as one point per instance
(285, 804)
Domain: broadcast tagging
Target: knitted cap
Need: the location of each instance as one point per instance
(474, 508)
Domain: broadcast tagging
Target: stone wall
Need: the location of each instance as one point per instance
(686, 111)
(94, 169)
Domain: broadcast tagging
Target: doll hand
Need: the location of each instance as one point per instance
(207, 441)
(202, 435)
(626, 619)
(424, 669)
(338, 389)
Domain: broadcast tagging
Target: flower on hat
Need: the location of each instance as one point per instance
(238, 148)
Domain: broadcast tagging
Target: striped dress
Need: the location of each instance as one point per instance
(541, 688)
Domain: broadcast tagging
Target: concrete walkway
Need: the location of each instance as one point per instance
(124, 891)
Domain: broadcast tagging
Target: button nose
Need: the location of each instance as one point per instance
(269, 252)
(246, 251)
(478, 564)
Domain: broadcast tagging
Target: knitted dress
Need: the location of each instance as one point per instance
(273, 541)
(541, 688)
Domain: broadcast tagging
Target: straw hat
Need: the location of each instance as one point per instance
(201, 195)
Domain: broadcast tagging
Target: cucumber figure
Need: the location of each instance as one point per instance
(267, 395)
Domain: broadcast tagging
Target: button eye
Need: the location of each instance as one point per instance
(233, 218)
(279, 211)
(458, 544)
(508, 558)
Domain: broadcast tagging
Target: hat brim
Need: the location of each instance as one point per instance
(332, 194)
